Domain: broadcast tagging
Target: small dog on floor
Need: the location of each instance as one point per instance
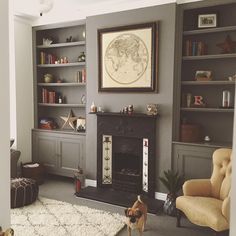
(8, 232)
(136, 216)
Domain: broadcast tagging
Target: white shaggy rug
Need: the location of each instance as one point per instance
(47, 217)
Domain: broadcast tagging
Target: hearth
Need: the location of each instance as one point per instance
(126, 152)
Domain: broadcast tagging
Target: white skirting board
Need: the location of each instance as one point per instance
(90, 182)
(93, 183)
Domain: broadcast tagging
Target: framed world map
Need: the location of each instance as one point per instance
(128, 58)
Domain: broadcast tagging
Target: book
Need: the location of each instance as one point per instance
(44, 95)
(51, 97)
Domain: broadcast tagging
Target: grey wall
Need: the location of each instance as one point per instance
(5, 117)
(165, 15)
(24, 87)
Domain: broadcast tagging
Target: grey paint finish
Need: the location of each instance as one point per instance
(61, 154)
(165, 15)
(192, 162)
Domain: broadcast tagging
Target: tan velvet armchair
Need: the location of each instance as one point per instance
(206, 202)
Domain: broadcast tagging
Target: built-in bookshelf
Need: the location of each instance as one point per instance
(59, 97)
(57, 53)
(202, 121)
(201, 53)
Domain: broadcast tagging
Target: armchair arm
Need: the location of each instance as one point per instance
(226, 208)
(197, 187)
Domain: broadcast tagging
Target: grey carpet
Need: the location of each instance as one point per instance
(157, 225)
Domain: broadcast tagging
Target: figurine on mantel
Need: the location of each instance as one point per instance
(93, 108)
(152, 109)
(128, 109)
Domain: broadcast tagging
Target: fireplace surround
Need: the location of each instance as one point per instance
(126, 152)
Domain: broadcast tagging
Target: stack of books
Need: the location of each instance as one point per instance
(81, 76)
(48, 96)
(47, 58)
(195, 48)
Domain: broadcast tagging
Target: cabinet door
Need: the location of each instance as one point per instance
(194, 162)
(71, 155)
(45, 151)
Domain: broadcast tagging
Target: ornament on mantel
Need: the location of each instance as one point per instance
(69, 120)
(227, 46)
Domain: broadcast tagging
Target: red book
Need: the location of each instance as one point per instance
(44, 95)
(187, 48)
(52, 96)
(83, 76)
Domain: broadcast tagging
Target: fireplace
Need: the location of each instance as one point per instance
(126, 152)
(126, 164)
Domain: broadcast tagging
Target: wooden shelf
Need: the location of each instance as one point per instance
(62, 64)
(206, 109)
(59, 45)
(211, 30)
(207, 144)
(214, 82)
(206, 57)
(61, 105)
(63, 131)
(61, 84)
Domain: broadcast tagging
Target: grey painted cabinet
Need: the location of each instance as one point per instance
(61, 154)
(59, 91)
(194, 162)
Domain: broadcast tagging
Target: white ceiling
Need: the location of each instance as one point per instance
(68, 10)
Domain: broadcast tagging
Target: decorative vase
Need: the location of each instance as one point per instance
(169, 206)
(48, 78)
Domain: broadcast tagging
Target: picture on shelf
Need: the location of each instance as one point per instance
(80, 125)
(201, 75)
(207, 20)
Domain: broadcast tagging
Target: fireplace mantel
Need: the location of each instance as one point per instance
(111, 128)
(141, 115)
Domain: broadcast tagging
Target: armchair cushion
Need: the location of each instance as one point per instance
(197, 187)
(195, 210)
(226, 208)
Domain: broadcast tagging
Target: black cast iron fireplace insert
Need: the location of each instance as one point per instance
(126, 152)
(127, 164)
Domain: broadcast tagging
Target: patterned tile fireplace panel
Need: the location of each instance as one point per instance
(126, 152)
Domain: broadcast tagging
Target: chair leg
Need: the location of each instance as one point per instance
(178, 216)
(222, 233)
(217, 233)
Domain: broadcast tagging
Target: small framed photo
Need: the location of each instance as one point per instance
(207, 20)
(202, 75)
(80, 125)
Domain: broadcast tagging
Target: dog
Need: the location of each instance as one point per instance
(8, 232)
(136, 216)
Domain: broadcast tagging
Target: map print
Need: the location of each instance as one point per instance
(126, 58)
